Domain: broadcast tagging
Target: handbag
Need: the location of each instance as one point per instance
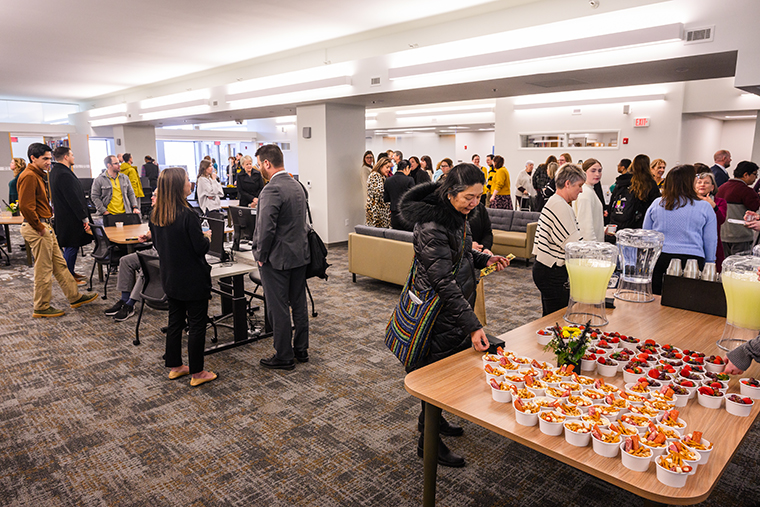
(317, 265)
(408, 331)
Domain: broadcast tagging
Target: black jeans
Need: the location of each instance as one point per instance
(554, 286)
(661, 266)
(197, 317)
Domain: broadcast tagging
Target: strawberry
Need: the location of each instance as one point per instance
(747, 401)
(716, 385)
(717, 361)
(654, 374)
(602, 360)
(649, 342)
(706, 391)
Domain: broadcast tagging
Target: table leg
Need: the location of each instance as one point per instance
(239, 318)
(7, 238)
(430, 460)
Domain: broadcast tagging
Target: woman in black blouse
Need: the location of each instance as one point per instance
(185, 275)
(249, 183)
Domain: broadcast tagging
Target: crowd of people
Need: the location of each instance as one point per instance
(48, 183)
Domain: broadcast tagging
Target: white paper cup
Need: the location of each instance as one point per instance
(680, 430)
(635, 463)
(715, 368)
(119, 225)
(749, 391)
(588, 365)
(518, 384)
(605, 449)
(669, 478)
(723, 388)
(607, 370)
(553, 429)
(501, 396)
(710, 401)
(525, 419)
(632, 377)
(738, 409)
(497, 378)
(538, 391)
(630, 346)
(704, 456)
(577, 439)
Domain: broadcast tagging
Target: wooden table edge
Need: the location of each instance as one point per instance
(691, 500)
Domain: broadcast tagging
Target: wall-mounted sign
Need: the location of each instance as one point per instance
(217, 143)
(14, 139)
(641, 122)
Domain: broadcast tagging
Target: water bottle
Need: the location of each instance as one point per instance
(204, 225)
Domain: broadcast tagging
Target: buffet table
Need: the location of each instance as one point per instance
(458, 385)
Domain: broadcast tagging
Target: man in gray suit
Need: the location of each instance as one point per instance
(282, 251)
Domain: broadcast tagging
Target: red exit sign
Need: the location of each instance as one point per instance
(14, 139)
(641, 122)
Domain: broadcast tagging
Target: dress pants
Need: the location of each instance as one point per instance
(70, 256)
(48, 262)
(554, 286)
(736, 248)
(196, 312)
(285, 290)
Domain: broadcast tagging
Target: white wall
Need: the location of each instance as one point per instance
(267, 131)
(660, 140)
(737, 137)
(436, 146)
(700, 139)
(470, 143)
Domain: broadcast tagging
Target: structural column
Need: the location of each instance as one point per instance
(331, 142)
(139, 141)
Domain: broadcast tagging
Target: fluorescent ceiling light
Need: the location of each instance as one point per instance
(310, 75)
(107, 111)
(644, 36)
(171, 113)
(282, 120)
(370, 115)
(289, 89)
(184, 99)
(449, 109)
(486, 130)
(744, 117)
(112, 120)
(417, 129)
(457, 127)
(589, 102)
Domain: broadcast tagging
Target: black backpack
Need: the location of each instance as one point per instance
(625, 209)
(318, 251)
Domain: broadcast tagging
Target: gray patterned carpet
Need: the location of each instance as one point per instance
(86, 418)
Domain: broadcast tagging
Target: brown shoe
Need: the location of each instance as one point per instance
(87, 297)
(48, 312)
(198, 381)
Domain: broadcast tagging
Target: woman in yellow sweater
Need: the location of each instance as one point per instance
(501, 197)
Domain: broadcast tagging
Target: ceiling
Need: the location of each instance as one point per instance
(90, 48)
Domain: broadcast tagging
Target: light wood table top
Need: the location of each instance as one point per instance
(11, 220)
(226, 203)
(457, 384)
(119, 235)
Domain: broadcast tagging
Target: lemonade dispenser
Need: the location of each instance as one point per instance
(742, 290)
(589, 266)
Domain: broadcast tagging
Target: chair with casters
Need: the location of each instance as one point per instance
(153, 293)
(105, 254)
(126, 218)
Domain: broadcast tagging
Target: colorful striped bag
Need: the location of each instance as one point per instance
(407, 333)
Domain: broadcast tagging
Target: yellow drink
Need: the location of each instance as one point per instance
(589, 279)
(742, 299)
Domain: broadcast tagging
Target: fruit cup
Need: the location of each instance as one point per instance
(736, 405)
(748, 388)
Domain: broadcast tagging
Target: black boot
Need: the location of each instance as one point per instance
(445, 428)
(446, 458)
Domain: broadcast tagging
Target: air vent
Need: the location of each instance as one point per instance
(698, 35)
(375, 81)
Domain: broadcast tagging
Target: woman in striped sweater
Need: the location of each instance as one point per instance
(557, 226)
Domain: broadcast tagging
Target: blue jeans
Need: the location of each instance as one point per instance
(70, 255)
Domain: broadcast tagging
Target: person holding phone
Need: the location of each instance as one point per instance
(447, 263)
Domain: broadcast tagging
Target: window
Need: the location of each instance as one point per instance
(588, 139)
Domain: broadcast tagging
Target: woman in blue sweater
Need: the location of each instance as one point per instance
(688, 223)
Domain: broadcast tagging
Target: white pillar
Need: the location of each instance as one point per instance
(756, 141)
(6, 153)
(138, 141)
(328, 165)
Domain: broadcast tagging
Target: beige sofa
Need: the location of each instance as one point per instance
(513, 232)
(387, 254)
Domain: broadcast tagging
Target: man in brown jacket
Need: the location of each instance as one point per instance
(48, 261)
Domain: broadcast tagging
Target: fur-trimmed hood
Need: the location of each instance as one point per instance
(421, 204)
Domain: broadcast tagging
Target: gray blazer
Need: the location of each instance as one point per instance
(281, 225)
(101, 193)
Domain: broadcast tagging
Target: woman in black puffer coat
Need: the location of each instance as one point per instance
(438, 214)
